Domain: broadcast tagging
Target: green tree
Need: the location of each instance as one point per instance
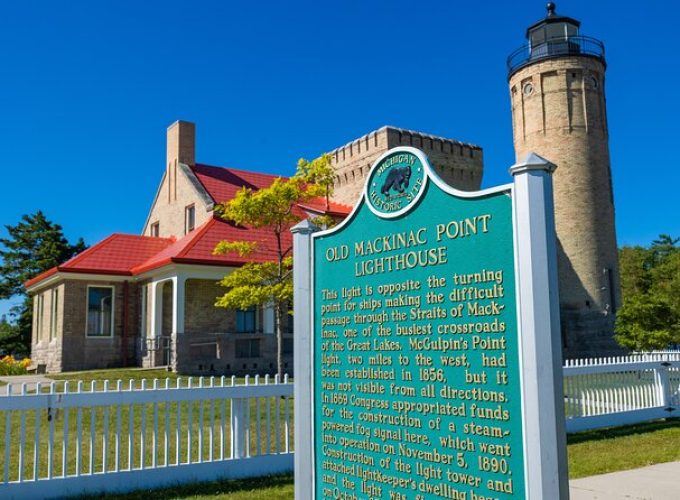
(650, 285)
(273, 209)
(647, 322)
(33, 246)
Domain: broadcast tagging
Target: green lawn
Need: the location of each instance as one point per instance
(115, 374)
(623, 448)
(263, 488)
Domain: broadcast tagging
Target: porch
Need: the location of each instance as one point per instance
(181, 328)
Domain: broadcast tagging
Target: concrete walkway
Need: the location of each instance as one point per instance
(656, 482)
(17, 380)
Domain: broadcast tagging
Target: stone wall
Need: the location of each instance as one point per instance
(69, 348)
(559, 112)
(459, 164)
(209, 343)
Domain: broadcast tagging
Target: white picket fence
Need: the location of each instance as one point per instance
(604, 392)
(74, 439)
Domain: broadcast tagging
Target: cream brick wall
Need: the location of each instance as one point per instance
(459, 164)
(564, 120)
(71, 349)
(178, 186)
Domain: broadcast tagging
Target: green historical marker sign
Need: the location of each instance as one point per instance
(416, 371)
(427, 337)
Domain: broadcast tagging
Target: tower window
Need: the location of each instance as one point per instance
(155, 229)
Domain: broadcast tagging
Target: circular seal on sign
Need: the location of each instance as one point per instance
(396, 182)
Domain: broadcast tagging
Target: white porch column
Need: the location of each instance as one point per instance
(156, 329)
(178, 283)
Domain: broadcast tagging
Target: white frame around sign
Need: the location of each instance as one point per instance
(544, 439)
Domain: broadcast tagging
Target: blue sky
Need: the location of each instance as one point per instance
(88, 89)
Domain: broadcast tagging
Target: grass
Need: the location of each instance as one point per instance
(623, 448)
(115, 374)
(278, 487)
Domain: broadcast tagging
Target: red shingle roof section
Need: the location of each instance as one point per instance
(127, 255)
(197, 247)
(319, 205)
(117, 254)
(223, 183)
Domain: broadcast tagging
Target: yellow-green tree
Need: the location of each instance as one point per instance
(272, 208)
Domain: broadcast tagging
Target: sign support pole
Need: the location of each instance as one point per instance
(302, 363)
(539, 322)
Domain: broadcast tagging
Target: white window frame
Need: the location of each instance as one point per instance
(191, 207)
(113, 311)
(54, 310)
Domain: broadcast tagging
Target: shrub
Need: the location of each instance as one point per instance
(11, 366)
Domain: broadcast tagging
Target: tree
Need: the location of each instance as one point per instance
(274, 209)
(647, 322)
(33, 246)
(650, 284)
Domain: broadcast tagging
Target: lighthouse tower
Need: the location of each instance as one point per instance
(558, 111)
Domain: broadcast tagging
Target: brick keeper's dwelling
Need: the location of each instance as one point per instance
(148, 300)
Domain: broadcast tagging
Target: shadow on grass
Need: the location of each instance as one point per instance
(627, 430)
(197, 489)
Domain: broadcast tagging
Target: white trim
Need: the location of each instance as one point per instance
(87, 311)
(62, 275)
(193, 271)
(394, 151)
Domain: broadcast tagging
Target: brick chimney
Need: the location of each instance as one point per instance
(181, 148)
(182, 143)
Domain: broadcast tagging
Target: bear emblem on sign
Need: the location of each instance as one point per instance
(397, 179)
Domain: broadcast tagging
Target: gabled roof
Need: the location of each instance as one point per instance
(130, 255)
(197, 247)
(115, 255)
(222, 183)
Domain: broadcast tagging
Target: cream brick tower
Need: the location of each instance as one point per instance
(459, 164)
(559, 112)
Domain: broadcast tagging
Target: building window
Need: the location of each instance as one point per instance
(99, 311)
(39, 319)
(155, 229)
(54, 316)
(246, 320)
(189, 219)
(248, 348)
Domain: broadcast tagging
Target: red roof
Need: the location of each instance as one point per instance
(197, 247)
(115, 255)
(223, 183)
(128, 255)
